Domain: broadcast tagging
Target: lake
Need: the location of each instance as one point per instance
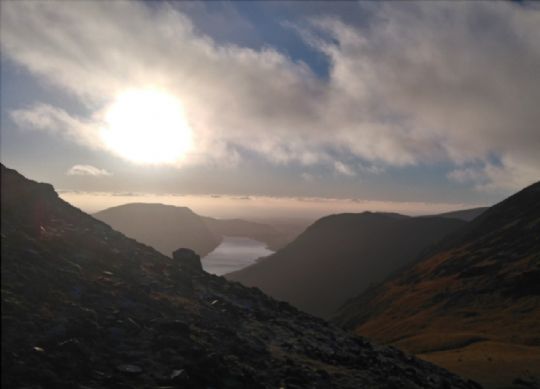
(234, 253)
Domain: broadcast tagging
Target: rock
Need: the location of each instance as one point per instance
(527, 382)
(178, 376)
(129, 369)
(116, 333)
(188, 258)
(73, 346)
(176, 326)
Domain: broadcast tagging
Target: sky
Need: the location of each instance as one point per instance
(301, 108)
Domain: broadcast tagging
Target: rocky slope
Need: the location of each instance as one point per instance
(473, 305)
(339, 256)
(164, 227)
(83, 306)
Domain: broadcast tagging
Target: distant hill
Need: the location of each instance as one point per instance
(465, 214)
(341, 255)
(83, 306)
(291, 228)
(164, 227)
(272, 237)
(473, 304)
(167, 227)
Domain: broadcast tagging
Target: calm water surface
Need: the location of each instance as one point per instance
(233, 254)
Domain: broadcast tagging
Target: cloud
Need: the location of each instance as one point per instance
(419, 83)
(87, 170)
(372, 169)
(45, 117)
(466, 175)
(489, 177)
(344, 169)
(307, 177)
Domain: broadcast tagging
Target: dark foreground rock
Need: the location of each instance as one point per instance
(188, 258)
(85, 307)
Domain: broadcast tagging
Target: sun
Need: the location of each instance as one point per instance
(147, 126)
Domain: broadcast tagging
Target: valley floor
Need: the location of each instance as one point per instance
(496, 365)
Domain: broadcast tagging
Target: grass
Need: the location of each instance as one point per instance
(439, 341)
(495, 365)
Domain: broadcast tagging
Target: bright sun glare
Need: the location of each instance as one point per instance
(148, 127)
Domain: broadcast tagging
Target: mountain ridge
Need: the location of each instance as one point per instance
(166, 227)
(476, 292)
(85, 306)
(340, 255)
(464, 214)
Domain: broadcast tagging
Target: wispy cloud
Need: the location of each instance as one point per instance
(55, 120)
(343, 168)
(87, 170)
(421, 83)
(490, 176)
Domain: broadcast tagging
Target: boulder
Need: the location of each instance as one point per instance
(188, 258)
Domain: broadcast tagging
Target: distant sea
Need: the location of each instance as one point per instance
(234, 253)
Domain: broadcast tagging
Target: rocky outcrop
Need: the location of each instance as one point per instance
(83, 306)
(188, 258)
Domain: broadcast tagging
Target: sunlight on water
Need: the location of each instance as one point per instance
(234, 253)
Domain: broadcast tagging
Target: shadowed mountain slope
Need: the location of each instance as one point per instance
(83, 306)
(164, 227)
(341, 255)
(465, 214)
(475, 299)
